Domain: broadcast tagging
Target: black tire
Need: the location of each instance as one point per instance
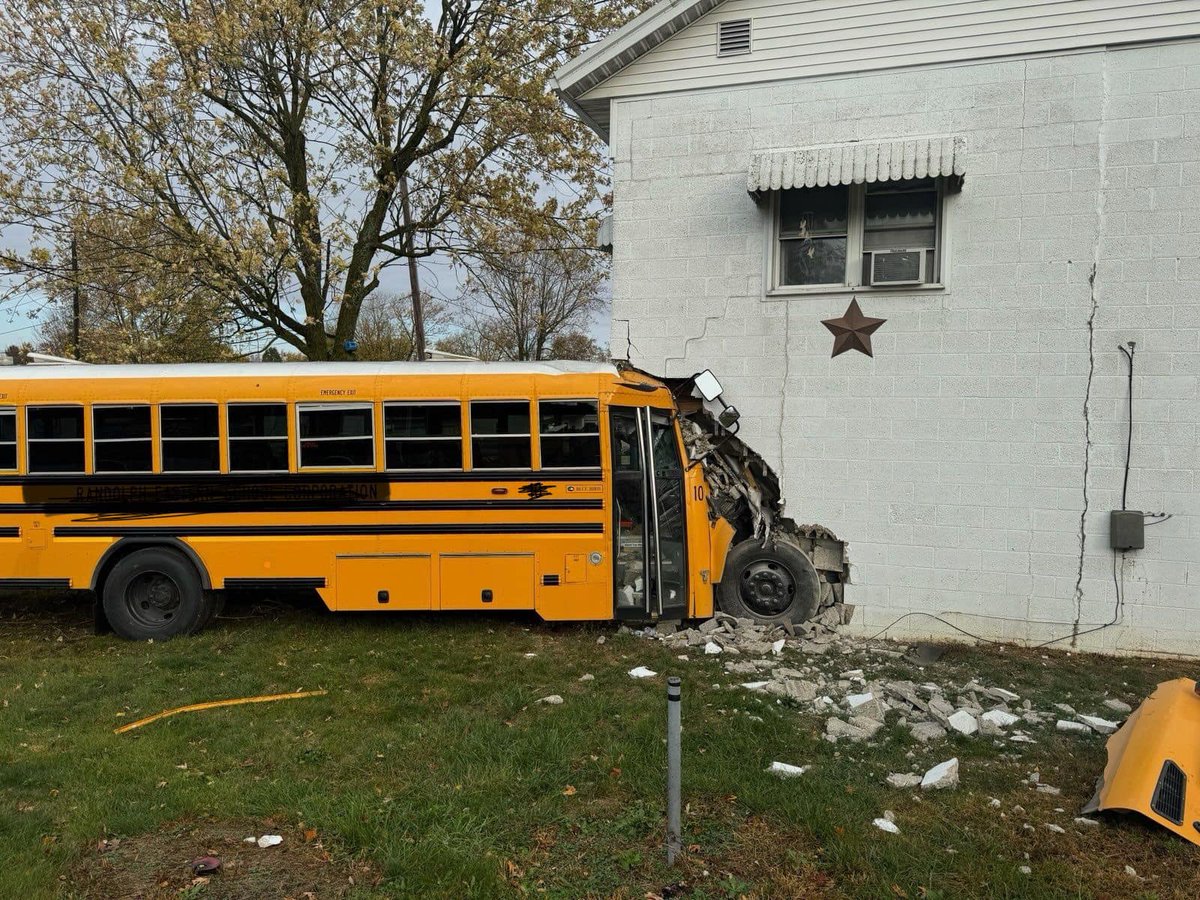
(770, 585)
(155, 593)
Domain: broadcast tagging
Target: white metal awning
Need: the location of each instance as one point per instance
(860, 162)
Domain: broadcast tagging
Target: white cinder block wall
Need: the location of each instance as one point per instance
(959, 461)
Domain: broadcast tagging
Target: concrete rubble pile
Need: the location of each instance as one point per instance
(737, 637)
(802, 666)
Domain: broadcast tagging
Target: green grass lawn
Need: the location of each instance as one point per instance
(431, 766)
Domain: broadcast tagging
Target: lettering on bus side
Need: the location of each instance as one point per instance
(208, 492)
(339, 392)
(535, 490)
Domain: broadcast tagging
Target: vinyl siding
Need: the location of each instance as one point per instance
(829, 37)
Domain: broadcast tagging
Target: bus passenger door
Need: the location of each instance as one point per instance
(650, 553)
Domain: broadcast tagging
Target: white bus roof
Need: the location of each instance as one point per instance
(260, 370)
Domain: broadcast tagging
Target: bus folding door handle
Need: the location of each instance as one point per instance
(486, 595)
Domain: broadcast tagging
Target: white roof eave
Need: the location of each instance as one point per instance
(637, 36)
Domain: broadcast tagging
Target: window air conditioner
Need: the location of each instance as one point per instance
(896, 267)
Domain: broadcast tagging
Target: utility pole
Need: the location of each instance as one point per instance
(413, 276)
(75, 300)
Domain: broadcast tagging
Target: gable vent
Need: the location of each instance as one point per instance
(733, 37)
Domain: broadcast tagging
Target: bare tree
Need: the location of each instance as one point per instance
(386, 330)
(577, 345)
(468, 342)
(518, 303)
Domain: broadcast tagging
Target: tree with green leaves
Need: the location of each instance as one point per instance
(284, 152)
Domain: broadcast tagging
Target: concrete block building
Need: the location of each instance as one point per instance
(1015, 188)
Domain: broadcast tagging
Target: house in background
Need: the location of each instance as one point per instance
(1016, 189)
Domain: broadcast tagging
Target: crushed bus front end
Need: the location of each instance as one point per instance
(764, 564)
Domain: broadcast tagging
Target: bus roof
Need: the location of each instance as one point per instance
(325, 369)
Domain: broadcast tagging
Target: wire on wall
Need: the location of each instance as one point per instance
(1128, 350)
(1118, 615)
(1118, 608)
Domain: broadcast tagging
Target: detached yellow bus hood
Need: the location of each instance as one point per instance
(1154, 761)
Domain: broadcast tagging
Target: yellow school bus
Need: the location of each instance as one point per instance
(562, 488)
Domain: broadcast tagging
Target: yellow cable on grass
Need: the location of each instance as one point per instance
(213, 704)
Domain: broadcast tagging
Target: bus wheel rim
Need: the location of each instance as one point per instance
(153, 598)
(767, 587)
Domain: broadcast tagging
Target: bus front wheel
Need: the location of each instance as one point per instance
(770, 585)
(154, 593)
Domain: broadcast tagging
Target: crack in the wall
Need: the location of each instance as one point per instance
(687, 343)
(630, 347)
(1102, 165)
(1087, 455)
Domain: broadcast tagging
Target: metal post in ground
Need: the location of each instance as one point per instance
(674, 844)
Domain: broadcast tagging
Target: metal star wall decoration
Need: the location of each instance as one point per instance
(853, 330)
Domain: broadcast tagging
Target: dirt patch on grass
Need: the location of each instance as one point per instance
(158, 865)
(745, 858)
(777, 861)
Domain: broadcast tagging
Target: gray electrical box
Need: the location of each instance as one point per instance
(1127, 529)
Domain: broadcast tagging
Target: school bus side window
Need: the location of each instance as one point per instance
(54, 439)
(337, 435)
(191, 439)
(258, 437)
(8, 439)
(423, 435)
(121, 439)
(500, 437)
(570, 433)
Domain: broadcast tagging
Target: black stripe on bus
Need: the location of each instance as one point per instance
(252, 504)
(279, 584)
(34, 584)
(9, 531)
(333, 529)
(302, 477)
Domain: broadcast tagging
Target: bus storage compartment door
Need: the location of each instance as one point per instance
(384, 581)
(575, 568)
(487, 580)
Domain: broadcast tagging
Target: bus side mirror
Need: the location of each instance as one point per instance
(729, 418)
(708, 386)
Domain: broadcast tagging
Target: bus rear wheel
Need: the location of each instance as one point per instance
(769, 584)
(154, 594)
